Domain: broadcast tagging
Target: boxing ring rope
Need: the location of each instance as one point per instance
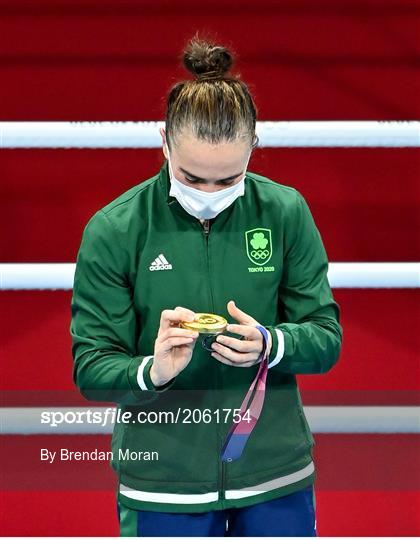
(42, 276)
(329, 134)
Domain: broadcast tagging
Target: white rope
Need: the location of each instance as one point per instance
(328, 419)
(51, 276)
(364, 419)
(374, 275)
(33, 276)
(271, 134)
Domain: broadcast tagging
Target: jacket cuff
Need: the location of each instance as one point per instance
(277, 347)
(140, 381)
(144, 380)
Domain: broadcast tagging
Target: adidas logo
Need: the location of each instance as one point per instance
(160, 263)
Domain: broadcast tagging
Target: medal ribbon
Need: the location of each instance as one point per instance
(240, 431)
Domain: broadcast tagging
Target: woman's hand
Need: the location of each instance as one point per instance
(173, 346)
(240, 352)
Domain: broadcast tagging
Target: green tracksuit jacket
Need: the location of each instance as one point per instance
(143, 253)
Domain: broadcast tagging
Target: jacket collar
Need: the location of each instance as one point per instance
(165, 182)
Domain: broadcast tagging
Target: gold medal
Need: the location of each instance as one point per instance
(206, 323)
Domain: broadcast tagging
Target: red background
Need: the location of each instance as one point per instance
(303, 60)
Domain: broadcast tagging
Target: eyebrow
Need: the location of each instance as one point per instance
(204, 180)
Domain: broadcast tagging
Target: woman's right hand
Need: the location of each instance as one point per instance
(173, 346)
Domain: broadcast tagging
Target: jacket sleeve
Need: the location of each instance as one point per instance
(104, 324)
(309, 340)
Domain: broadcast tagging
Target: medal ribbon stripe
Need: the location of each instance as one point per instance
(240, 431)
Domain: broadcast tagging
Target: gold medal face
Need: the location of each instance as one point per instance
(206, 323)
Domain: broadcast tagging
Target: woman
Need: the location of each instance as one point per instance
(206, 235)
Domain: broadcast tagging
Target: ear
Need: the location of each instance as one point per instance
(164, 145)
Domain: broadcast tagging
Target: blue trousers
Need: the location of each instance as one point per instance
(290, 515)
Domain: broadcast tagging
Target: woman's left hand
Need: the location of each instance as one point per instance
(240, 352)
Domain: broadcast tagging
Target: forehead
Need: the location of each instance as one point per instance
(197, 155)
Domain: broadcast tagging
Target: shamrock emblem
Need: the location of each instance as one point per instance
(258, 241)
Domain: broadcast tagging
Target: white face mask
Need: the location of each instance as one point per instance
(202, 204)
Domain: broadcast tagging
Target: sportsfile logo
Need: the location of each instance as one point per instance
(160, 263)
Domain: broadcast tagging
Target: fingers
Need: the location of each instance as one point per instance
(231, 363)
(177, 341)
(169, 317)
(238, 314)
(251, 344)
(247, 331)
(237, 352)
(233, 356)
(175, 332)
(175, 337)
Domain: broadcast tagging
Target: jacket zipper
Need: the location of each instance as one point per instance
(206, 227)
(222, 472)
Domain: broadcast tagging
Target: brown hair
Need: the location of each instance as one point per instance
(217, 106)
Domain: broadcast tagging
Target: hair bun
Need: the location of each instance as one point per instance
(207, 60)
